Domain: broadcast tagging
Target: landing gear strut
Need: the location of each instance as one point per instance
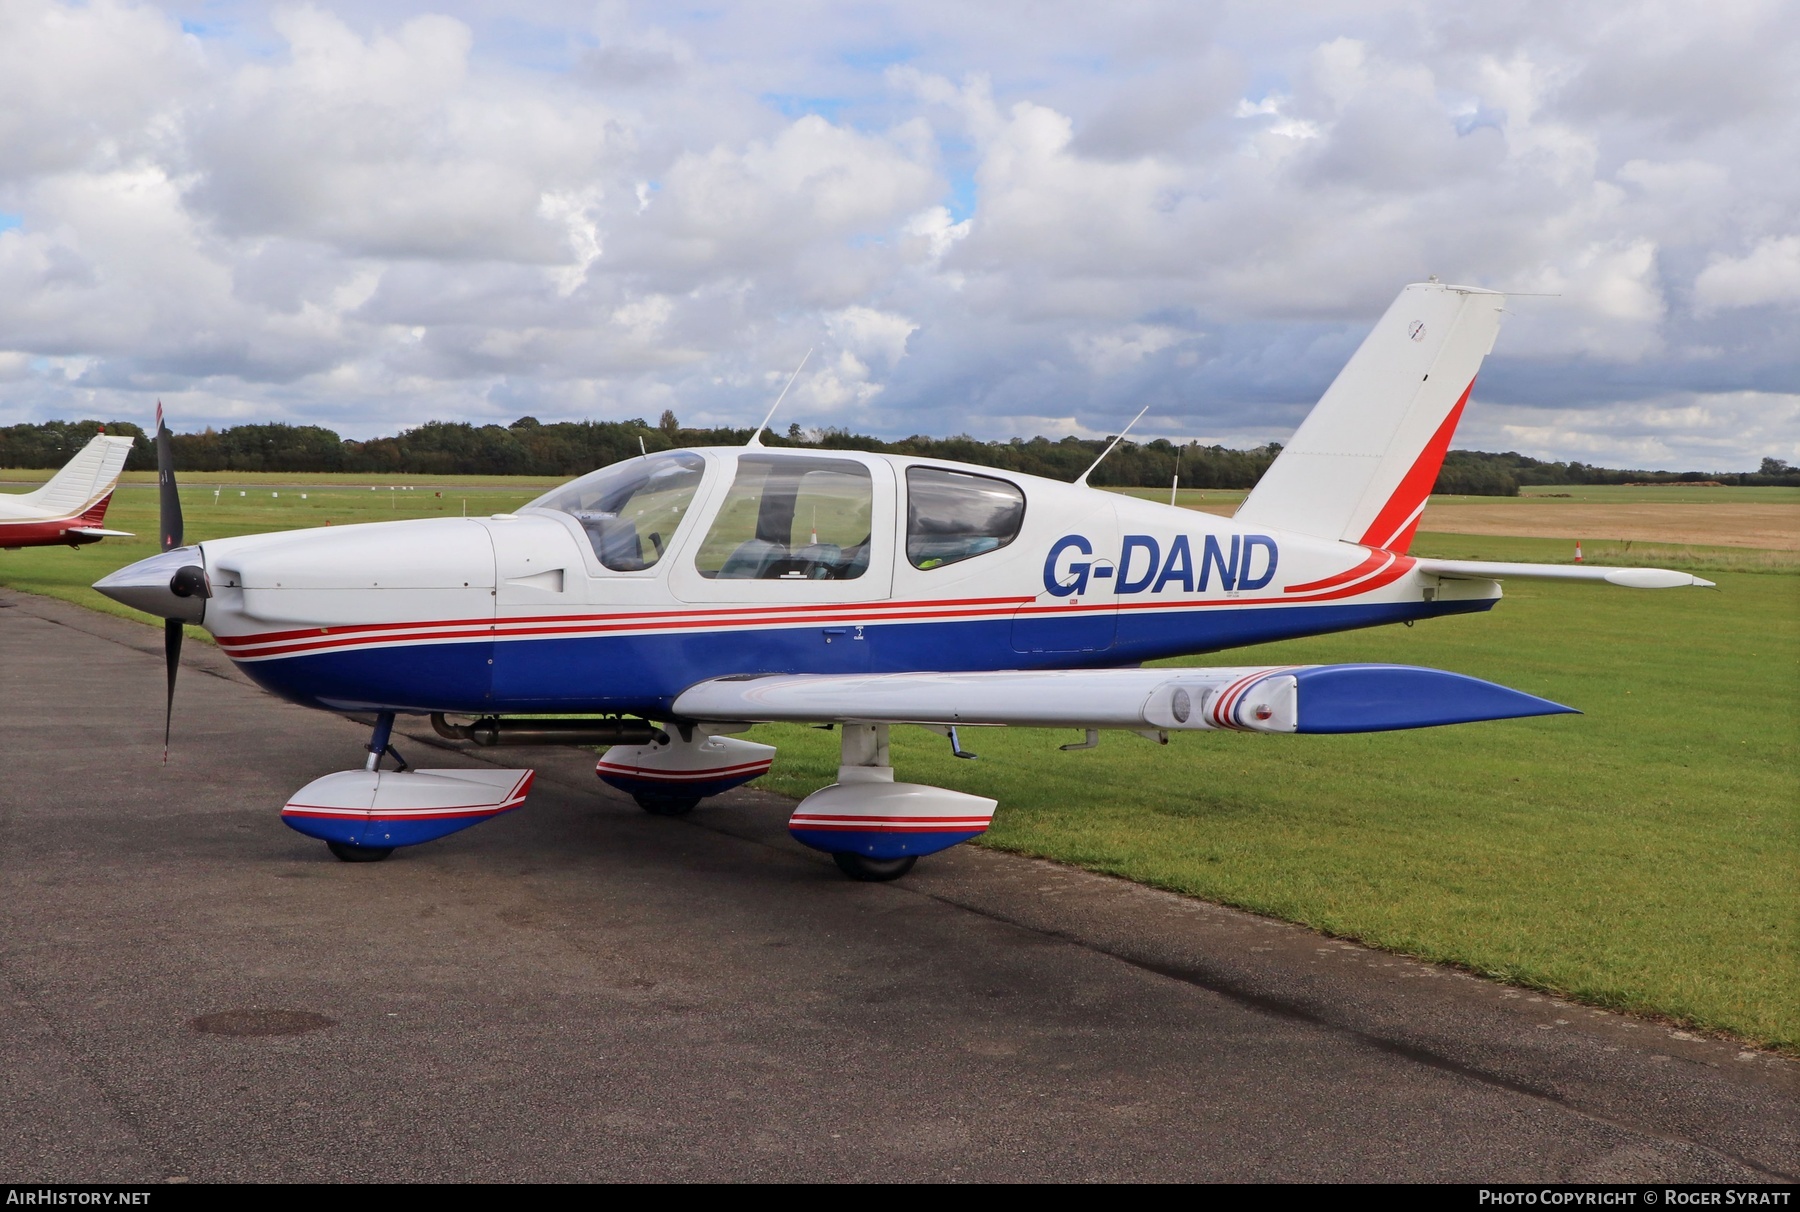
(362, 816)
(874, 828)
(379, 746)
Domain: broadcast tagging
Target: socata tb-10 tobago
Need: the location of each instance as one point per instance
(687, 595)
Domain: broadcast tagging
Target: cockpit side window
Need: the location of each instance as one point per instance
(791, 519)
(953, 516)
(631, 509)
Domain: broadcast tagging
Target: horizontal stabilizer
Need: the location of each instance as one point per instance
(1631, 578)
(96, 532)
(1297, 698)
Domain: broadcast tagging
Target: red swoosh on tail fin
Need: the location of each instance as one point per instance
(1393, 527)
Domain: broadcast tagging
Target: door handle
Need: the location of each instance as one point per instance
(848, 633)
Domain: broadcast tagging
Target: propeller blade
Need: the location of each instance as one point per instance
(170, 497)
(172, 634)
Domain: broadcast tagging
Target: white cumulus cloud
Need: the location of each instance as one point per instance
(999, 219)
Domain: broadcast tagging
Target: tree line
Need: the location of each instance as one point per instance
(570, 448)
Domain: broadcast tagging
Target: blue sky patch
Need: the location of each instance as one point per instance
(961, 201)
(796, 105)
(878, 60)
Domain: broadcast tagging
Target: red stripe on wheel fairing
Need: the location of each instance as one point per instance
(890, 824)
(650, 774)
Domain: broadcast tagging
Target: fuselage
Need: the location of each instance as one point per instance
(624, 588)
(26, 525)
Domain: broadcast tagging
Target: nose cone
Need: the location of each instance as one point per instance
(170, 586)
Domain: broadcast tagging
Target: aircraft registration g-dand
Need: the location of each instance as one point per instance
(687, 595)
(70, 508)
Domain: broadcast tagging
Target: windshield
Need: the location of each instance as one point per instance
(630, 510)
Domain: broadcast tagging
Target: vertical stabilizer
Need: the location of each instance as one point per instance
(84, 479)
(1362, 464)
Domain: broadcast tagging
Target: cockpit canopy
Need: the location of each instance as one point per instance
(631, 509)
(785, 517)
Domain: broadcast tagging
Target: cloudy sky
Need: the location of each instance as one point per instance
(1000, 219)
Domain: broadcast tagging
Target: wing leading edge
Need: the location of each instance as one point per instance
(1277, 698)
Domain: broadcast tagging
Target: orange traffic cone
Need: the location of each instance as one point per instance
(1578, 551)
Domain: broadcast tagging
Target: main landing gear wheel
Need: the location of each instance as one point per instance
(665, 805)
(358, 854)
(873, 870)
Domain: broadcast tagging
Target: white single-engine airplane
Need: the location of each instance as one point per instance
(689, 594)
(71, 506)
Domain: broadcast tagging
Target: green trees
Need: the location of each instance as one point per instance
(570, 448)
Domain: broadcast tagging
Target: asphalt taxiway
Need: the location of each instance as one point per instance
(579, 991)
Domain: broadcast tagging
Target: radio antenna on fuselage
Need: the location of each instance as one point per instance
(1081, 481)
(756, 438)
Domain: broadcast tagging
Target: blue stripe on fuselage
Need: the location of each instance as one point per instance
(643, 674)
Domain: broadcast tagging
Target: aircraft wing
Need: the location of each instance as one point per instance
(1278, 698)
(1634, 578)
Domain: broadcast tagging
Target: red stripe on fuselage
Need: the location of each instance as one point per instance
(323, 639)
(1349, 574)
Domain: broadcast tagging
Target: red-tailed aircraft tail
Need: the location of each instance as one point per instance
(96, 513)
(84, 480)
(1362, 464)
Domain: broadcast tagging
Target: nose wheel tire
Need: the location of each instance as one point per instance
(873, 870)
(345, 852)
(662, 805)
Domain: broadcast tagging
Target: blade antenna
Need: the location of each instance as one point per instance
(756, 438)
(1081, 481)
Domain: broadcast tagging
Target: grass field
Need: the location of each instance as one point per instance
(1642, 856)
